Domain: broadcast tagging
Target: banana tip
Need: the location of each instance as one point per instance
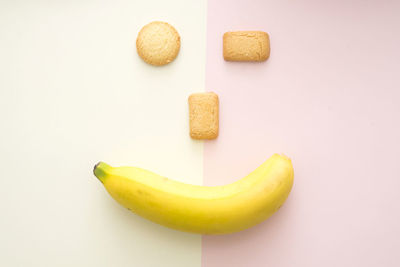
(95, 166)
(98, 172)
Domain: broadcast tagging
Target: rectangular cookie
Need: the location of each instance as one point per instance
(203, 115)
(246, 46)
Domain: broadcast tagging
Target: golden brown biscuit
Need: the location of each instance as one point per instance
(158, 43)
(246, 46)
(203, 115)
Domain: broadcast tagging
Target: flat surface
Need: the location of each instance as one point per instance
(328, 97)
(73, 92)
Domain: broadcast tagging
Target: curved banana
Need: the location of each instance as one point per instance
(201, 209)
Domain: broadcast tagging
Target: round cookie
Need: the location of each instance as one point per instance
(158, 43)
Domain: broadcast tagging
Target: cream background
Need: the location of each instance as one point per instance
(72, 92)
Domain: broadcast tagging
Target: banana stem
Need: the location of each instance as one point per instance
(100, 170)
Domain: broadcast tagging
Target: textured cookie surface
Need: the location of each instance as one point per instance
(246, 46)
(158, 43)
(203, 115)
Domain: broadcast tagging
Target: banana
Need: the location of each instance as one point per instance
(201, 209)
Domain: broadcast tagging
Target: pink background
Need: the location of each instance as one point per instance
(329, 98)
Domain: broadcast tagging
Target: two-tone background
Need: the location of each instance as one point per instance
(73, 91)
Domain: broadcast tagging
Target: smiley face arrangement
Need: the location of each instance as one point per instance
(191, 208)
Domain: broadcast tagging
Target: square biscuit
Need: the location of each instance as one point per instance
(246, 46)
(203, 115)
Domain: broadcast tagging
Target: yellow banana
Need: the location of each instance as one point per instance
(201, 209)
